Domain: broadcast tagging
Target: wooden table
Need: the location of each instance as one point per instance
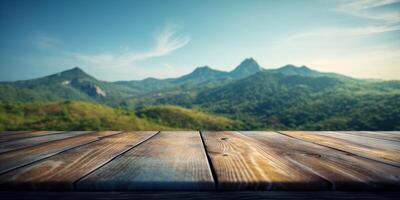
(199, 161)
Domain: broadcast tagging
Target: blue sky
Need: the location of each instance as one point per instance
(126, 40)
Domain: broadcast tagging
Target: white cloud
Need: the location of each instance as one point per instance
(380, 21)
(367, 9)
(366, 4)
(353, 50)
(166, 42)
(344, 32)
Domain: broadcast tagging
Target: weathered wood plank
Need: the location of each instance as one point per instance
(203, 195)
(375, 135)
(242, 163)
(28, 142)
(10, 137)
(14, 159)
(59, 172)
(343, 171)
(169, 160)
(397, 133)
(12, 132)
(375, 149)
(366, 141)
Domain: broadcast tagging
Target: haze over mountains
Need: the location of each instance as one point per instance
(75, 84)
(248, 97)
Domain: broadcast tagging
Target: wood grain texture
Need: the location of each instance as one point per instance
(28, 142)
(14, 159)
(242, 163)
(59, 172)
(391, 132)
(203, 195)
(380, 150)
(10, 137)
(12, 132)
(376, 135)
(169, 160)
(343, 171)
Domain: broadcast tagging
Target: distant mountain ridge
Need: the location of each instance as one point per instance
(248, 97)
(76, 84)
(203, 74)
(199, 75)
(305, 71)
(73, 84)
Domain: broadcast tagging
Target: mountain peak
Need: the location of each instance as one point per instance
(294, 67)
(296, 70)
(201, 74)
(77, 68)
(249, 60)
(75, 72)
(305, 68)
(203, 68)
(205, 71)
(246, 68)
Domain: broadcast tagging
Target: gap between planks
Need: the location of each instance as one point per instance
(43, 157)
(172, 160)
(363, 155)
(24, 143)
(25, 135)
(120, 154)
(209, 162)
(83, 158)
(345, 171)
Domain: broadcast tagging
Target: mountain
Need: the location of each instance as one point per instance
(305, 71)
(246, 68)
(268, 100)
(199, 75)
(247, 98)
(280, 101)
(294, 70)
(73, 84)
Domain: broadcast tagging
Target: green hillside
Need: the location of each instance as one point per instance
(74, 115)
(70, 116)
(174, 116)
(246, 98)
(278, 101)
(73, 84)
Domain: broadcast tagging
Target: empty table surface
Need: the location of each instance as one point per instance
(199, 160)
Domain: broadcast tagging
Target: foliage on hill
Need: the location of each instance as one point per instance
(174, 116)
(278, 101)
(73, 115)
(246, 98)
(70, 116)
(73, 84)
